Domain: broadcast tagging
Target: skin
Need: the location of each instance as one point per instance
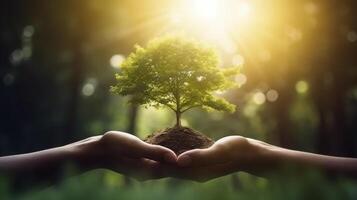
(117, 151)
(128, 155)
(235, 153)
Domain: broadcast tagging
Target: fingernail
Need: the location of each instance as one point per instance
(170, 158)
(184, 161)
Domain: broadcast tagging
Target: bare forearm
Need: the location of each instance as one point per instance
(330, 164)
(46, 166)
(35, 161)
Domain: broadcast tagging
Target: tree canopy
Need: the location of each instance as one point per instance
(175, 72)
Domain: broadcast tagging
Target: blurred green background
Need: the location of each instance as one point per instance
(298, 85)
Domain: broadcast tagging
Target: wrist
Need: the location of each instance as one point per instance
(263, 158)
(272, 157)
(85, 154)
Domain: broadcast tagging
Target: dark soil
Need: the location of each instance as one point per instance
(180, 139)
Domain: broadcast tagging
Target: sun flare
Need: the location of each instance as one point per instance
(212, 19)
(216, 12)
(205, 10)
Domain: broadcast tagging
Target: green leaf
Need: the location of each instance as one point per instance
(176, 72)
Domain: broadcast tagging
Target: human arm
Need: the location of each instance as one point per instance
(236, 153)
(117, 151)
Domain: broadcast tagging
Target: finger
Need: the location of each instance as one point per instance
(201, 157)
(200, 174)
(131, 146)
(157, 153)
(211, 172)
(140, 169)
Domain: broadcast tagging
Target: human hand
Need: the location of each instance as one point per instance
(125, 154)
(227, 155)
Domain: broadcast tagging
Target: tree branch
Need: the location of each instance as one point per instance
(166, 104)
(189, 108)
(169, 106)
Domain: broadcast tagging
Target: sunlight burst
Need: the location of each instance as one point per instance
(213, 20)
(206, 10)
(244, 9)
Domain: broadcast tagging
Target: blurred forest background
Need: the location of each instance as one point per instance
(298, 82)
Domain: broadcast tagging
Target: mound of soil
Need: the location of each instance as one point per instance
(180, 139)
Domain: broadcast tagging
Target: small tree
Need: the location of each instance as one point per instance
(175, 72)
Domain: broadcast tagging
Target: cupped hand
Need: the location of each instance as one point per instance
(227, 155)
(125, 154)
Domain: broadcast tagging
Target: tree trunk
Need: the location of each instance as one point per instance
(133, 116)
(178, 119)
(75, 85)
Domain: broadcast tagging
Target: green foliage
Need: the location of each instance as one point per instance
(93, 186)
(175, 72)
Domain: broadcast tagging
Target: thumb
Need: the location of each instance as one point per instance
(158, 153)
(202, 157)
